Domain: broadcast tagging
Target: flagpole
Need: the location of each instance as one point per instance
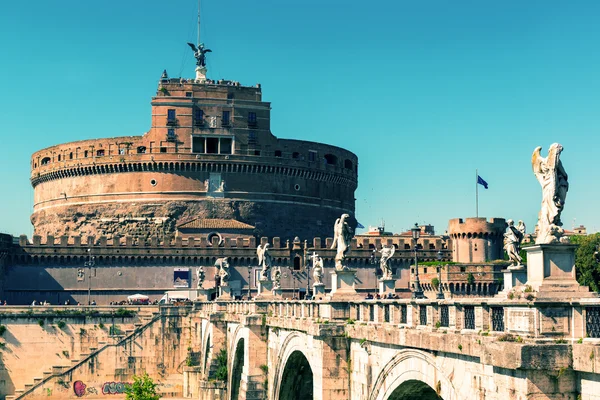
(476, 194)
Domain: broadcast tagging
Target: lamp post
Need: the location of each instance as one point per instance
(440, 293)
(249, 277)
(89, 264)
(417, 290)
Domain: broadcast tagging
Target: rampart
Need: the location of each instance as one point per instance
(476, 240)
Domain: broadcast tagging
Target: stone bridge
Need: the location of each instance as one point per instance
(394, 349)
(363, 349)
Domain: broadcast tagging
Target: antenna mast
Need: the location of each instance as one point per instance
(198, 22)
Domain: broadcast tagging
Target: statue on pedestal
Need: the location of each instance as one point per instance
(342, 235)
(386, 254)
(223, 271)
(199, 54)
(264, 260)
(276, 278)
(318, 270)
(552, 177)
(200, 276)
(513, 237)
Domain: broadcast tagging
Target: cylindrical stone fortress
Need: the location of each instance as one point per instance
(210, 154)
(475, 240)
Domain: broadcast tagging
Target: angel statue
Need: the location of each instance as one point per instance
(342, 235)
(199, 54)
(318, 270)
(512, 242)
(386, 254)
(200, 276)
(223, 270)
(264, 260)
(276, 278)
(552, 177)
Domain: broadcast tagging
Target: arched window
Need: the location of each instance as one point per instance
(45, 160)
(348, 164)
(330, 159)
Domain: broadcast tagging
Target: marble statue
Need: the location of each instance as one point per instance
(276, 278)
(318, 270)
(223, 270)
(552, 177)
(200, 276)
(199, 54)
(342, 235)
(386, 254)
(512, 242)
(264, 260)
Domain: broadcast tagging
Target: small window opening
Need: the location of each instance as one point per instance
(277, 153)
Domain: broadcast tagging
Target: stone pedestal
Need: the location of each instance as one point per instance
(342, 285)
(204, 294)
(265, 289)
(225, 292)
(278, 293)
(513, 278)
(200, 74)
(551, 272)
(387, 286)
(318, 290)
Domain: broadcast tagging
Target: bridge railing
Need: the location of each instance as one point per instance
(543, 320)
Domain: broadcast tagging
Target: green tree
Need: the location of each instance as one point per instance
(588, 268)
(435, 282)
(222, 366)
(470, 279)
(143, 388)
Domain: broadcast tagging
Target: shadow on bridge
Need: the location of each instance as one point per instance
(297, 380)
(414, 390)
(238, 366)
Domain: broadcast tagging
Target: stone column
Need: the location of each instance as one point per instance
(342, 285)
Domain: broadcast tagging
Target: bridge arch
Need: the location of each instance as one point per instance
(411, 365)
(238, 364)
(294, 348)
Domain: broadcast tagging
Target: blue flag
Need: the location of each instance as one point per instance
(482, 182)
(359, 225)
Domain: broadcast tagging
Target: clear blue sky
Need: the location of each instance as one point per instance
(424, 92)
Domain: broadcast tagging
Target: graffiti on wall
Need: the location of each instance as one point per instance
(81, 389)
(115, 387)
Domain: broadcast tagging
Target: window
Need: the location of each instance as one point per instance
(212, 145)
(45, 161)
(59, 157)
(141, 149)
(198, 116)
(171, 134)
(100, 153)
(277, 153)
(163, 149)
(330, 159)
(251, 137)
(171, 115)
(295, 155)
(226, 146)
(70, 156)
(225, 119)
(347, 164)
(251, 118)
(188, 94)
(431, 246)
(85, 153)
(197, 144)
(312, 155)
(121, 151)
(257, 152)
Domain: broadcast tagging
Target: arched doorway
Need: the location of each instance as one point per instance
(414, 390)
(297, 379)
(236, 371)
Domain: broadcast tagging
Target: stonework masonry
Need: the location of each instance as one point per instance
(475, 240)
(209, 153)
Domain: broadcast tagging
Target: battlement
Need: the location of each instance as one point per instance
(476, 227)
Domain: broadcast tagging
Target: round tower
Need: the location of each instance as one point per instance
(475, 240)
(209, 154)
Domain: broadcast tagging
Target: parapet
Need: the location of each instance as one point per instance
(476, 227)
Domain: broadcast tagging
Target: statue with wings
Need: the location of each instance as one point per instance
(199, 54)
(386, 254)
(264, 260)
(552, 177)
(342, 235)
(223, 270)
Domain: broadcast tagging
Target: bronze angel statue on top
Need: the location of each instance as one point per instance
(199, 54)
